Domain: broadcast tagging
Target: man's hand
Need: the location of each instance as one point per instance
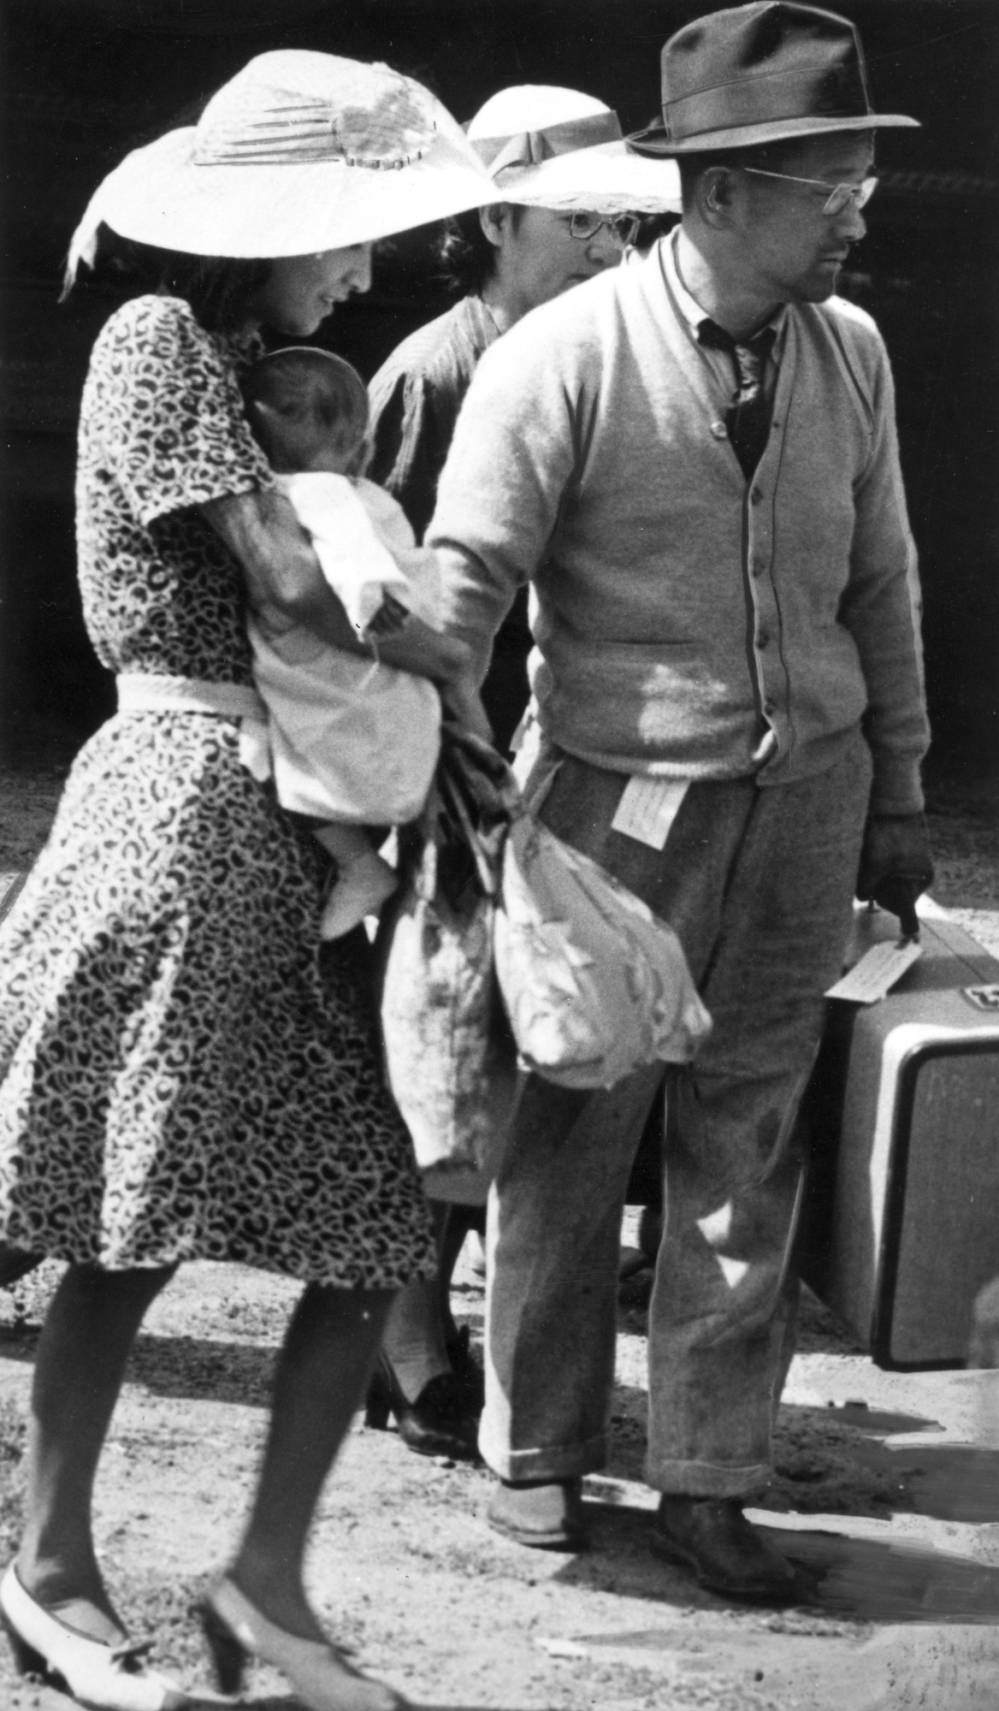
(895, 865)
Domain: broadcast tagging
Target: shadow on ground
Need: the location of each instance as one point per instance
(192, 1369)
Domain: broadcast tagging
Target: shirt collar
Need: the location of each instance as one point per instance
(688, 308)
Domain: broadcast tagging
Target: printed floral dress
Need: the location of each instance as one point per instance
(184, 1072)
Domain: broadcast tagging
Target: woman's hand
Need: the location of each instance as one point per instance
(391, 617)
(463, 703)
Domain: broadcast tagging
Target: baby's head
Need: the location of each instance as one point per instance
(309, 410)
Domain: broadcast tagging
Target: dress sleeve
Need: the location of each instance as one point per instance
(171, 414)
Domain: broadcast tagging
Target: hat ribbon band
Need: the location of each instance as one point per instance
(530, 148)
(311, 133)
(837, 92)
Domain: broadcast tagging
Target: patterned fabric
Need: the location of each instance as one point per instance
(185, 1072)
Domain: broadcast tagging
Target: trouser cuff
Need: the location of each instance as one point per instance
(557, 1461)
(708, 1479)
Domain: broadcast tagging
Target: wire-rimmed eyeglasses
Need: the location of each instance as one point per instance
(584, 226)
(840, 195)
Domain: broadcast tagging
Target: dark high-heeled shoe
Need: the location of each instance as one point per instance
(235, 1630)
(438, 1423)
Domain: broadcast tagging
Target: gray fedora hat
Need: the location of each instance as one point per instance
(755, 74)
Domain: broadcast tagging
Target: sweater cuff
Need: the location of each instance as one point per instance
(897, 786)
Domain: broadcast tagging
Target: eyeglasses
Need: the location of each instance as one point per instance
(585, 226)
(840, 195)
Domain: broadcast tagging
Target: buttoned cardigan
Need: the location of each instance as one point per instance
(688, 623)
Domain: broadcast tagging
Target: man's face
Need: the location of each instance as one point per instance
(542, 260)
(791, 251)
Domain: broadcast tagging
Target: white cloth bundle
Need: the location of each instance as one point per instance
(593, 983)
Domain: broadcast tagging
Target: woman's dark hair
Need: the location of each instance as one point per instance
(466, 256)
(219, 289)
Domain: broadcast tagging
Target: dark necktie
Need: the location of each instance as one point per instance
(748, 416)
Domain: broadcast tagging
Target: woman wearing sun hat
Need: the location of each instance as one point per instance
(181, 1077)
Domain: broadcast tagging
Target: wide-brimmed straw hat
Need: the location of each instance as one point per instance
(757, 74)
(300, 152)
(548, 147)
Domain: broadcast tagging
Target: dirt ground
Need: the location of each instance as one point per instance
(887, 1488)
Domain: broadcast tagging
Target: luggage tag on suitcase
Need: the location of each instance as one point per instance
(878, 970)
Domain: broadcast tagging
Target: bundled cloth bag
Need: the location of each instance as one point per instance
(594, 984)
(450, 1059)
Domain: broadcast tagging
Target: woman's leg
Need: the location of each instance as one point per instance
(322, 1372)
(88, 1335)
(421, 1331)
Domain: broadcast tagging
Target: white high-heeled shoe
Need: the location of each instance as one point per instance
(100, 1677)
(235, 1630)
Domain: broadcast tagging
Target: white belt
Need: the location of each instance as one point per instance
(143, 691)
(140, 692)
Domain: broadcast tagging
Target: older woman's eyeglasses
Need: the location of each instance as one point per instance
(840, 195)
(585, 226)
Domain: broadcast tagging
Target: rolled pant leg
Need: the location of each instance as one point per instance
(554, 1230)
(723, 1290)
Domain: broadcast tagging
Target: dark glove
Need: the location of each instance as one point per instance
(895, 866)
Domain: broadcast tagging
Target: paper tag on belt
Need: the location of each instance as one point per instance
(648, 807)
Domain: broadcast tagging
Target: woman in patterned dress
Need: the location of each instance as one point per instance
(183, 1075)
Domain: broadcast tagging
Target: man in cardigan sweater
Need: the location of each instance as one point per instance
(729, 699)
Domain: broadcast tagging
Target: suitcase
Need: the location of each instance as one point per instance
(901, 1126)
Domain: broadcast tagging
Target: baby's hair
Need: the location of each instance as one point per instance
(304, 386)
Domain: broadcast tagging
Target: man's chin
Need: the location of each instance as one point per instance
(820, 289)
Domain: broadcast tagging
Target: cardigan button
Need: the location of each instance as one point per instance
(719, 430)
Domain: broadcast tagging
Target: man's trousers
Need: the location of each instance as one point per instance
(758, 882)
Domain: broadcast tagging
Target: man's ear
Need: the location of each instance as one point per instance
(715, 189)
(494, 221)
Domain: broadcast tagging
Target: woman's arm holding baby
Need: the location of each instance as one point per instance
(284, 577)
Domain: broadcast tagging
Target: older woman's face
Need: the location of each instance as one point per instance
(301, 290)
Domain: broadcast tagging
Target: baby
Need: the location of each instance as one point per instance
(353, 742)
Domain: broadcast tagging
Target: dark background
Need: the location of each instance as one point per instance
(87, 79)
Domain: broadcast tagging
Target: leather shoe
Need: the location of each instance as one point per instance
(438, 1423)
(544, 1513)
(712, 1536)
